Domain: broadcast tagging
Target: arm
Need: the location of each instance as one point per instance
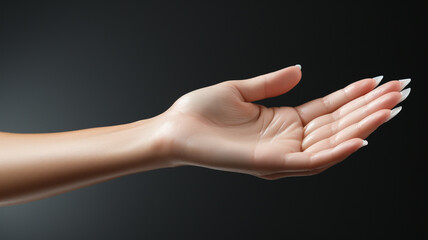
(35, 166)
(216, 127)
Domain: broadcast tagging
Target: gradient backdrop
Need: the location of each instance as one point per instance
(73, 65)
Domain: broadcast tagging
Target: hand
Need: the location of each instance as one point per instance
(216, 127)
(220, 128)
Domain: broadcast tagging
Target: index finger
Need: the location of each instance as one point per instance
(315, 108)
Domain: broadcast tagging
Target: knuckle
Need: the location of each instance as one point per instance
(326, 102)
(335, 126)
(332, 141)
(336, 114)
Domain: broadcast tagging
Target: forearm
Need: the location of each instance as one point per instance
(35, 166)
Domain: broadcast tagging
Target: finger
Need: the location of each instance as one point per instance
(392, 86)
(386, 101)
(307, 172)
(361, 129)
(268, 85)
(331, 102)
(305, 161)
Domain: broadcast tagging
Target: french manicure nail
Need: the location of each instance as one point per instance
(299, 66)
(378, 79)
(365, 143)
(394, 112)
(404, 82)
(404, 94)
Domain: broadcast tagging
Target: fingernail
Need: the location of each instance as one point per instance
(378, 79)
(365, 143)
(299, 66)
(404, 82)
(404, 94)
(394, 112)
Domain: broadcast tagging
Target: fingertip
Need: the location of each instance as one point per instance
(360, 87)
(374, 120)
(285, 79)
(356, 144)
(378, 79)
(394, 112)
(335, 154)
(404, 82)
(268, 85)
(297, 70)
(350, 145)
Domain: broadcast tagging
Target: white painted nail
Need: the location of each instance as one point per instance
(404, 94)
(404, 82)
(378, 79)
(299, 66)
(365, 143)
(394, 112)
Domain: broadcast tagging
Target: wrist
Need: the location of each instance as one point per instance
(152, 143)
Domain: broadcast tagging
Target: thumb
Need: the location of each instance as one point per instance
(269, 85)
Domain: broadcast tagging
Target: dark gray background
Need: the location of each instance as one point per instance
(71, 65)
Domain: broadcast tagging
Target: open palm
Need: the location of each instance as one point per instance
(219, 127)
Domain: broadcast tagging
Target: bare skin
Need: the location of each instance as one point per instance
(216, 127)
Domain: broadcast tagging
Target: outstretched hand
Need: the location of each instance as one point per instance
(219, 127)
